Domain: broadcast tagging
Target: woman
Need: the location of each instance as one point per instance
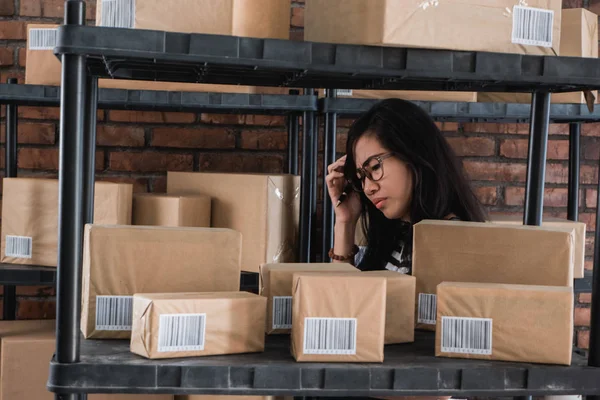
(402, 171)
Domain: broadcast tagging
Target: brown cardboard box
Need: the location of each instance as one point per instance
(550, 222)
(505, 322)
(26, 350)
(410, 95)
(400, 306)
(455, 251)
(264, 208)
(169, 325)
(276, 285)
(171, 210)
(351, 304)
(578, 38)
(119, 261)
(30, 216)
(474, 25)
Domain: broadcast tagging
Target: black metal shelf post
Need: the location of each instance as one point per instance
(574, 167)
(329, 156)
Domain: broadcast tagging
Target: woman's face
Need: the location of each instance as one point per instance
(392, 193)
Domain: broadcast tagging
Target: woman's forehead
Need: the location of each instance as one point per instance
(366, 147)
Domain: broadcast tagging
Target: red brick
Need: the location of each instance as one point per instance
(202, 138)
(22, 57)
(590, 129)
(594, 6)
(558, 129)
(582, 316)
(588, 175)
(253, 163)
(297, 36)
(39, 113)
(448, 126)
(150, 162)
(264, 140)
(232, 119)
(47, 159)
(557, 149)
(151, 117)
(52, 8)
(129, 136)
(588, 265)
(591, 150)
(472, 146)
(297, 17)
(159, 184)
(487, 195)
(36, 309)
(589, 246)
(140, 185)
(7, 7)
(572, 4)
(489, 127)
(556, 173)
(553, 197)
(585, 298)
(492, 171)
(583, 339)
(18, 75)
(589, 219)
(591, 196)
(36, 291)
(32, 133)
(13, 30)
(6, 56)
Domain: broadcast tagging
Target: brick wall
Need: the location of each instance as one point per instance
(139, 147)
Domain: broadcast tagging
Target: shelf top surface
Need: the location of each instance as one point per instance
(179, 57)
(409, 369)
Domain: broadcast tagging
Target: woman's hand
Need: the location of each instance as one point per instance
(349, 211)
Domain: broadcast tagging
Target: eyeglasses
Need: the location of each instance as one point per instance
(372, 169)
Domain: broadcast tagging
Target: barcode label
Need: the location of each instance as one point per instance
(282, 312)
(114, 313)
(118, 13)
(181, 332)
(330, 335)
(42, 39)
(18, 246)
(344, 92)
(427, 309)
(532, 26)
(467, 335)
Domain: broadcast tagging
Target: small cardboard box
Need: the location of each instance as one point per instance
(276, 285)
(400, 306)
(119, 261)
(456, 251)
(338, 317)
(550, 222)
(505, 322)
(264, 208)
(472, 25)
(30, 217)
(171, 210)
(168, 325)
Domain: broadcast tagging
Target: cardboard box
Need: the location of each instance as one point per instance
(168, 325)
(505, 322)
(400, 306)
(550, 222)
(264, 208)
(218, 397)
(348, 309)
(410, 95)
(30, 217)
(119, 261)
(276, 285)
(578, 38)
(171, 210)
(472, 25)
(26, 350)
(455, 251)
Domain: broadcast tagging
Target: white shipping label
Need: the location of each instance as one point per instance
(118, 13)
(42, 38)
(427, 309)
(181, 332)
(18, 246)
(344, 92)
(532, 26)
(114, 313)
(330, 336)
(282, 312)
(467, 335)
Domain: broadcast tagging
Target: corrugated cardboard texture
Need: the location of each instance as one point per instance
(455, 251)
(477, 25)
(277, 279)
(341, 295)
(529, 323)
(400, 306)
(235, 322)
(124, 260)
(30, 208)
(264, 208)
(26, 350)
(551, 222)
(171, 210)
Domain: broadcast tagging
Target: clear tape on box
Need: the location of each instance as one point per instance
(286, 250)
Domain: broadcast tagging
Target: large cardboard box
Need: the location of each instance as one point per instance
(276, 285)
(172, 325)
(579, 229)
(400, 306)
(456, 251)
(264, 208)
(410, 95)
(30, 217)
(578, 38)
(119, 261)
(505, 322)
(26, 350)
(473, 25)
(159, 209)
(338, 317)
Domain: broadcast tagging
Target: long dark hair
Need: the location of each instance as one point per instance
(440, 187)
